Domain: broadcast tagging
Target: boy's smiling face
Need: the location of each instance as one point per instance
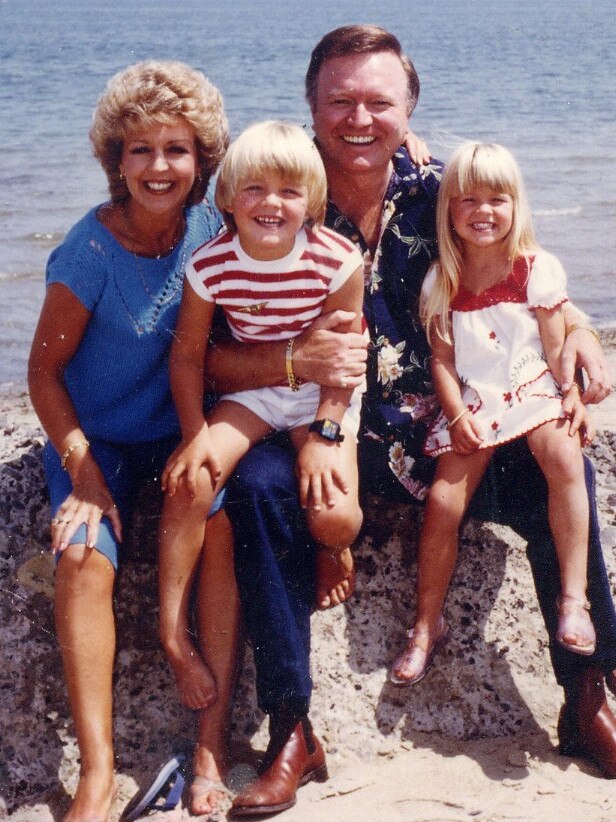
(268, 210)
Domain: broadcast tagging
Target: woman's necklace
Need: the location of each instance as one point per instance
(147, 321)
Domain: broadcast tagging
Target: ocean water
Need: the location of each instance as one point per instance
(538, 77)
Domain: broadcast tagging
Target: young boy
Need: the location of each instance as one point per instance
(273, 271)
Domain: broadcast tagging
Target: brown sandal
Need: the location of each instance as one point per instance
(574, 619)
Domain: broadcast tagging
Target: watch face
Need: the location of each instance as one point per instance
(330, 429)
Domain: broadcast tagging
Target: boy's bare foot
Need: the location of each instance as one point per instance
(94, 797)
(335, 577)
(207, 792)
(195, 683)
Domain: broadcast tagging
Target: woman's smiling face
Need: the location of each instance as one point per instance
(159, 165)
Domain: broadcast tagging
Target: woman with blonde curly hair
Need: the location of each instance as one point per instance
(98, 376)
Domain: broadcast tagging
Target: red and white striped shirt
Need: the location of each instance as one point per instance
(267, 300)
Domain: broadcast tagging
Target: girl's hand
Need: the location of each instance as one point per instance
(89, 501)
(580, 419)
(318, 473)
(417, 149)
(187, 459)
(466, 436)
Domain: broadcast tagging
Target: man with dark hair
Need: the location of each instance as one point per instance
(362, 89)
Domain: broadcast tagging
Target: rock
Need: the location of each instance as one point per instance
(492, 679)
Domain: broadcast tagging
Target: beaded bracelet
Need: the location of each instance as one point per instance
(459, 416)
(294, 383)
(79, 444)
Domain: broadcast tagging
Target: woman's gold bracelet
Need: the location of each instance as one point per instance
(294, 383)
(70, 449)
(458, 417)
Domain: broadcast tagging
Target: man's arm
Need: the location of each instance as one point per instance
(321, 354)
(582, 349)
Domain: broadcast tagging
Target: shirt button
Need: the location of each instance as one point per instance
(354, 237)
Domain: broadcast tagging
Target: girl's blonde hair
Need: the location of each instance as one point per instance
(473, 164)
(273, 147)
(158, 92)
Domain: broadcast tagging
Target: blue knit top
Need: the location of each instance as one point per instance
(118, 379)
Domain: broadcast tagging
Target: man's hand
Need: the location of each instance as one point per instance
(327, 354)
(583, 350)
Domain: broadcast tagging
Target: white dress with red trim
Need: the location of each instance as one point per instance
(506, 382)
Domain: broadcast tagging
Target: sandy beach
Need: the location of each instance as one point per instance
(453, 748)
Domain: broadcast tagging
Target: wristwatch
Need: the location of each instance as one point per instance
(328, 429)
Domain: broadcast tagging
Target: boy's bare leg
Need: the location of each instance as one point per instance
(335, 526)
(219, 628)
(86, 632)
(234, 429)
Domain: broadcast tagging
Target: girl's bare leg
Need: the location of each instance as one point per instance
(335, 527)
(219, 619)
(455, 482)
(181, 540)
(86, 632)
(561, 461)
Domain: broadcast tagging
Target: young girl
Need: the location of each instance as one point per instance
(273, 271)
(492, 308)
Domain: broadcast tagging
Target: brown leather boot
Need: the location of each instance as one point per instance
(587, 726)
(298, 761)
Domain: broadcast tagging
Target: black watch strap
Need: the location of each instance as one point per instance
(328, 429)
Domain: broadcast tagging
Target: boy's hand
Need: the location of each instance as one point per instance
(318, 473)
(580, 419)
(466, 436)
(187, 459)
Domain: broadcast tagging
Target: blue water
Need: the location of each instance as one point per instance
(537, 76)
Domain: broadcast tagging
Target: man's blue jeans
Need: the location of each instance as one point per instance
(274, 561)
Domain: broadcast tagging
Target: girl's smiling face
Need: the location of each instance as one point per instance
(482, 217)
(268, 211)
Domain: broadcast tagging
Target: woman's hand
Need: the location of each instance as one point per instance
(583, 350)
(327, 354)
(466, 435)
(417, 149)
(89, 501)
(188, 458)
(318, 473)
(580, 419)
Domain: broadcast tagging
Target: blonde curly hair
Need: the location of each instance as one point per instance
(156, 92)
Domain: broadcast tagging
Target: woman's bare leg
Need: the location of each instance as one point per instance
(219, 621)
(234, 429)
(86, 632)
(456, 479)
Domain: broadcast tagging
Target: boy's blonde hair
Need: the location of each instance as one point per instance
(473, 164)
(277, 147)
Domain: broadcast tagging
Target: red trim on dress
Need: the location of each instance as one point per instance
(512, 289)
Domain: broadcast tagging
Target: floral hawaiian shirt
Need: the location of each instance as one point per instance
(399, 404)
